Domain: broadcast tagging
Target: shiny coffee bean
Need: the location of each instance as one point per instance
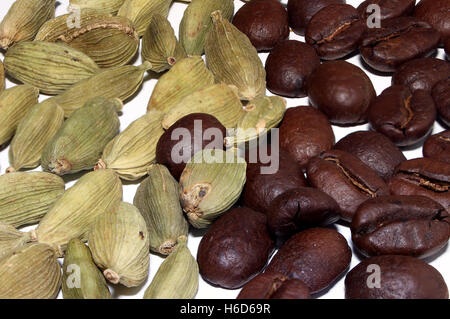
(400, 225)
(436, 13)
(317, 256)
(395, 277)
(373, 149)
(398, 41)
(405, 117)
(389, 8)
(437, 147)
(346, 179)
(441, 97)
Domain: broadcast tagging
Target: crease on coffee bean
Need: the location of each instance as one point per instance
(426, 182)
(276, 285)
(445, 139)
(340, 29)
(407, 107)
(374, 40)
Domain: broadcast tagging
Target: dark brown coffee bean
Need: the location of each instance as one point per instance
(373, 149)
(274, 286)
(389, 8)
(400, 225)
(335, 31)
(346, 179)
(301, 11)
(196, 124)
(398, 41)
(423, 176)
(288, 66)
(421, 74)
(235, 249)
(437, 147)
(405, 117)
(317, 256)
(265, 22)
(441, 97)
(395, 277)
(305, 132)
(301, 208)
(342, 91)
(436, 13)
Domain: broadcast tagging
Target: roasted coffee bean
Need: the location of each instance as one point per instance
(288, 67)
(398, 41)
(373, 149)
(400, 225)
(305, 132)
(195, 124)
(395, 277)
(346, 179)
(301, 11)
(235, 249)
(441, 97)
(335, 31)
(342, 91)
(317, 256)
(301, 208)
(436, 13)
(405, 117)
(437, 147)
(421, 74)
(274, 286)
(265, 22)
(423, 176)
(389, 9)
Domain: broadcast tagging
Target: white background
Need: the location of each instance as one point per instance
(137, 107)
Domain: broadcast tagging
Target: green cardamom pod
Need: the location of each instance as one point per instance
(11, 239)
(233, 59)
(196, 23)
(2, 76)
(79, 142)
(177, 277)
(120, 246)
(81, 277)
(158, 199)
(108, 6)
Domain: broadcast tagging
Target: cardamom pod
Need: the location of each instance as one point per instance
(24, 19)
(158, 199)
(108, 40)
(196, 23)
(34, 131)
(14, 104)
(132, 151)
(108, 6)
(233, 59)
(31, 272)
(118, 82)
(219, 100)
(71, 216)
(120, 246)
(177, 277)
(2, 76)
(81, 277)
(211, 184)
(50, 67)
(25, 197)
(81, 139)
(140, 12)
(185, 77)
(160, 45)
(11, 239)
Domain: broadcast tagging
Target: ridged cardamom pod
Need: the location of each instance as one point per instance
(11, 239)
(233, 59)
(120, 246)
(131, 152)
(31, 272)
(109, 6)
(211, 184)
(118, 82)
(24, 19)
(81, 277)
(261, 115)
(2, 76)
(177, 277)
(71, 216)
(160, 45)
(34, 131)
(79, 142)
(25, 197)
(15, 102)
(140, 12)
(109, 41)
(158, 199)
(50, 67)
(196, 23)
(184, 78)
(218, 100)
